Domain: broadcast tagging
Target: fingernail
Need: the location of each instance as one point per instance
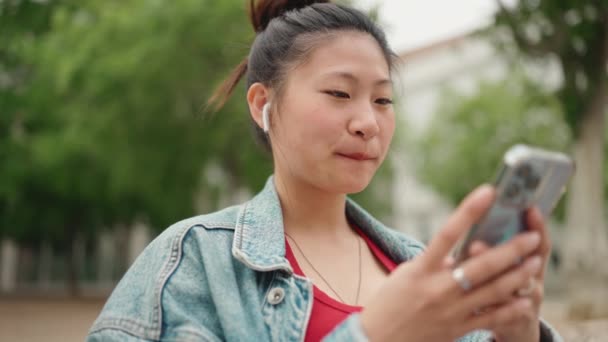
(536, 215)
(485, 190)
(533, 240)
(534, 264)
(536, 212)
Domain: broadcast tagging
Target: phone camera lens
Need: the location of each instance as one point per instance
(532, 182)
(512, 191)
(524, 171)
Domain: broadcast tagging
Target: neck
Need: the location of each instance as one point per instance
(308, 210)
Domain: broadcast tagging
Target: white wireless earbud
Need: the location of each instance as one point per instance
(265, 113)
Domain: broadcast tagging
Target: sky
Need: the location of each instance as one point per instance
(411, 24)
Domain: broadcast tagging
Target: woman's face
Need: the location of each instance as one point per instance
(335, 119)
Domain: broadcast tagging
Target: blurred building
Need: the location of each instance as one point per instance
(457, 63)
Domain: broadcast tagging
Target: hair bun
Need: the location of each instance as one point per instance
(263, 11)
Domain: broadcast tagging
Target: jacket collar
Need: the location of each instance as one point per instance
(259, 240)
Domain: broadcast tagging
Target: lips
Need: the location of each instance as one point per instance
(357, 156)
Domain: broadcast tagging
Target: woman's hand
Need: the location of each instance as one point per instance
(526, 326)
(423, 301)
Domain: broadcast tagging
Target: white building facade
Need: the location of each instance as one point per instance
(457, 63)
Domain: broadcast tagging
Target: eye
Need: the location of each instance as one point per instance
(337, 93)
(384, 101)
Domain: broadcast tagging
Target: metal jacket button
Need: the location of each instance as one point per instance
(276, 295)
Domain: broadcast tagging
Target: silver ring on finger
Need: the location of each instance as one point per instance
(528, 290)
(461, 279)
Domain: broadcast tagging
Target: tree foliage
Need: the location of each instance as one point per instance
(573, 32)
(102, 116)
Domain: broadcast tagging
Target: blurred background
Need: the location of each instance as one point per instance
(104, 140)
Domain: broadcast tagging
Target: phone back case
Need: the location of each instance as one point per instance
(529, 177)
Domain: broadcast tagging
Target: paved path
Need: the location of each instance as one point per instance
(29, 320)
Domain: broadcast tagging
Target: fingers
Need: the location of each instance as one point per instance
(528, 289)
(499, 259)
(501, 289)
(536, 223)
(501, 315)
(537, 296)
(449, 262)
(468, 212)
(477, 247)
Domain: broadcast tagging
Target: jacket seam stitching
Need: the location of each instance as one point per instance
(130, 327)
(237, 227)
(216, 225)
(118, 327)
(168, 269)
(201, 334)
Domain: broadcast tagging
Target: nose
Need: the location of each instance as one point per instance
(364, 124)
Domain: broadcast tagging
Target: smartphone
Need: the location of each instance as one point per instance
(529, 176)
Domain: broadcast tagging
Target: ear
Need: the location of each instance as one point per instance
(257, 96)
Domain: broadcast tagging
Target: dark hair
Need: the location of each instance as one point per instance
(287, 32)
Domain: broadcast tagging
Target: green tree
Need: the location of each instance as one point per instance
(20, 23)
(108, 120)
(575, 33)
(108, 128)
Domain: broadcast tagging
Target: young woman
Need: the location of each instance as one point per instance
(301, 261)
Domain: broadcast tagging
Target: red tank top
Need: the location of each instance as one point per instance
(327, 312)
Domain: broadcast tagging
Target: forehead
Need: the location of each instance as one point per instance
(346, 52)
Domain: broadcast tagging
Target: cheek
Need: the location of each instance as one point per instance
(325, 124)
(316, 125)
(387, 128)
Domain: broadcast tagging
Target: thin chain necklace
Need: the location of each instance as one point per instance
(323, 278)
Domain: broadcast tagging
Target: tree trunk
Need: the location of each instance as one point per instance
(45, 265)
(586, 244)
(121, 238)
(8, 268)
(106, 251)
(74, 256)
(139, 238)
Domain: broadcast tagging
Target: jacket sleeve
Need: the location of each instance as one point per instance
(115, 334)
(351, 330)
(548, 333)
(155, 299)
(109, 335)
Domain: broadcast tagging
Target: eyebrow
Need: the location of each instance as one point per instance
(352, 78)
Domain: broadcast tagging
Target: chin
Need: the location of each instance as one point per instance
(351, 185)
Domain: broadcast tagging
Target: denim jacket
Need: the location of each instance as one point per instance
(224, 276)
